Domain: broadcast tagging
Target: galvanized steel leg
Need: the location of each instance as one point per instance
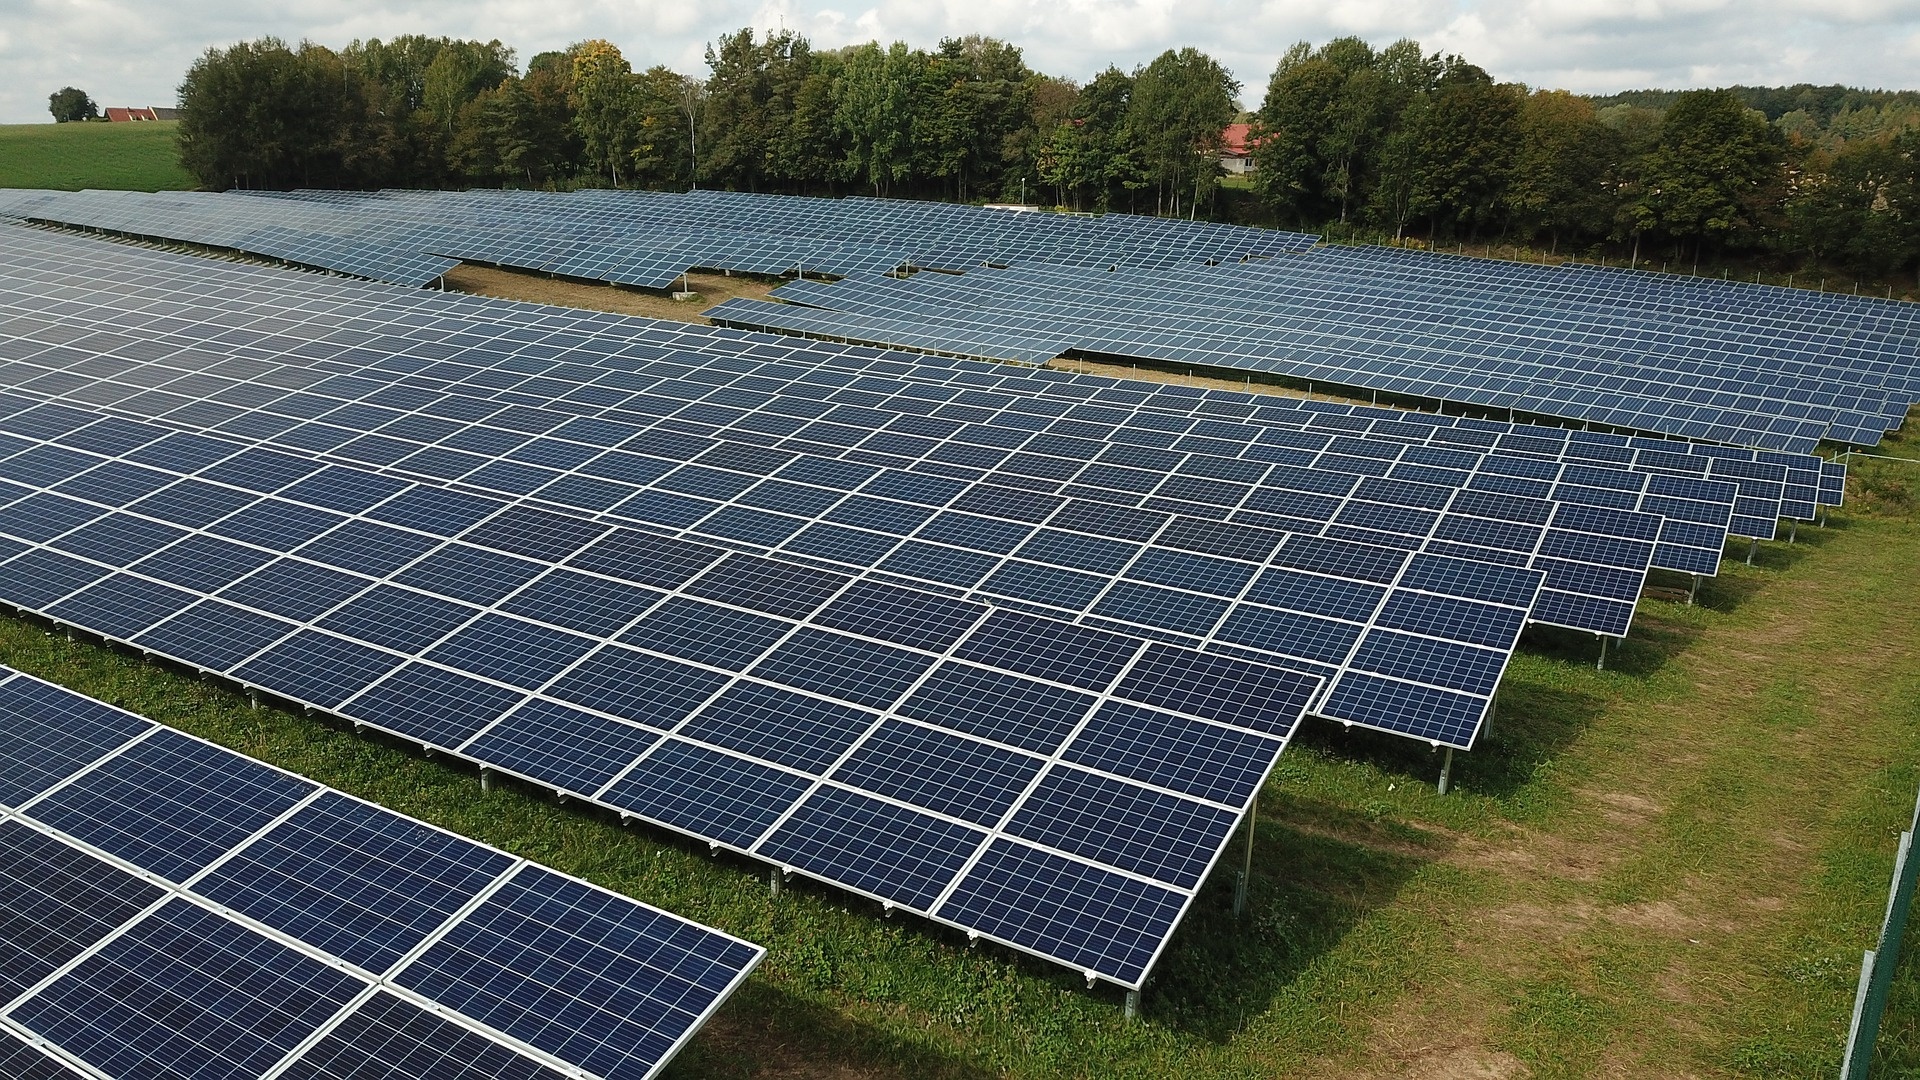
(1246, 867)
(1694, 593)
(1446, 771)
(774, 881)
(1602, 665)
(1131, 1010)
(1752, 546)
(486, 779)
(1793, 531)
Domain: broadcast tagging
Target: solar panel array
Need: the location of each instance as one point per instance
(1183, 575)
(1509, 340)
(642, 239)
(171, 908)
(911, 747)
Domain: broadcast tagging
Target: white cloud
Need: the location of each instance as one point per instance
(133, 52)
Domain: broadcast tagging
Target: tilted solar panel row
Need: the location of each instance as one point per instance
(168, 907)
(892, 742)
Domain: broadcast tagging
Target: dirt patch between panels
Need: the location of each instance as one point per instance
(710, 289)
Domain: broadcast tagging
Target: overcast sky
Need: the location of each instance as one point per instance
(133, 52)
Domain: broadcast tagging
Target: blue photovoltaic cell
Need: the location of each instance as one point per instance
(121, 606)
(472, 574)
(367, 547)
(847, 668)
(353, 880)
(1093, 918)
(917, 619)
(591, 605)
(779, 726)
(49, 734)
(318, 668)
(511, 650)
(706, 633)
(707, 793)
(214, 635)
(944, 773)
(1121, 824)
(759, 584)
(1212, 762)
(1307, 637)
(567, 748)
(203, 563)
(876, 847)
(582, 974)
(294, 589)
(993, 705)
(1401, 706)
(171, 804)
(398, 619)
(55, 903)
(22, 1062)
(386, 1038)
(431, 705)
(637, 687)
(187, 993)
(1046, 649)
(1219, 688)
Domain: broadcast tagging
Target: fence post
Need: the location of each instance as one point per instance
(1877, 966)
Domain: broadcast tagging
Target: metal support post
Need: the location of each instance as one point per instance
(1493, 708)
(1131, 1010)
(1694, 593)
(486, 779)
(253, 699)
(1446, 771)
(1752, 547)
(774, 880)
(1793, 531)
(1246, 866)
(1602, 665)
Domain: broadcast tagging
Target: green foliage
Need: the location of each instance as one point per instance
(1181, 103)
(131, 157)
(70, 103)
(1714, 174)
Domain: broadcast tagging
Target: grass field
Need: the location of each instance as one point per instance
(131, 157)
(1667, 868)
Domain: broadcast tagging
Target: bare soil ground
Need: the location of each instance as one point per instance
(711, 289)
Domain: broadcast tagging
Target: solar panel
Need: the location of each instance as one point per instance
(168, 907)
(634, 727)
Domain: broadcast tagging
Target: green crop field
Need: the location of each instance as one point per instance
(1668, 868)
(130, 157)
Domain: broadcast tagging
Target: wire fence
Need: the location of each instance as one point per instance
(1878, 965)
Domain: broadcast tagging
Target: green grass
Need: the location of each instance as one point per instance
(69, 157)
(1669, 867)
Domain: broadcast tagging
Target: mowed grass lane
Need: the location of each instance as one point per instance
(1666, 868)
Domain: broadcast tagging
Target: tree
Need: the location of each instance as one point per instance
(1453, 152)
(1566, 172)
(602, 101)
(258, 114)
(71, 103)
(1181, 104)
(1715, 173)
(875, 113)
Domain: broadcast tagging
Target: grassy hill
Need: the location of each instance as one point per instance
(136, 157)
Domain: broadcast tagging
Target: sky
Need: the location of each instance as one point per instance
(133, 52)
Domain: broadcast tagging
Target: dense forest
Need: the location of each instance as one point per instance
(1396, 141)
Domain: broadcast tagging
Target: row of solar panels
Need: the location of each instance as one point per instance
(1054, 784)
(171, 908)
(849, 514)
(1411, 512)
(415, 237)
(1198, 318)
(932, 754)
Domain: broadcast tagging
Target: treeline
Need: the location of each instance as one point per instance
(968, 120)
(1407, 142)
(1393, 140)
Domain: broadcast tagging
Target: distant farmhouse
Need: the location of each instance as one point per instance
(1236, 152)
(122, 116)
